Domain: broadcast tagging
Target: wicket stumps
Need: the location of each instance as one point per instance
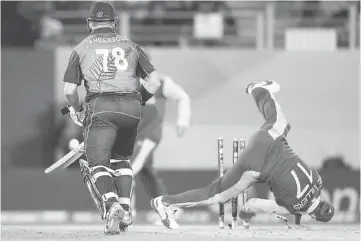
(238, 146)
(234, 200)
(220, 172)
(242, 146)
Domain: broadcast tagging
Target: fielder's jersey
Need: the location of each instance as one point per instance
(294, 185)
(150, 125)
(108, 63)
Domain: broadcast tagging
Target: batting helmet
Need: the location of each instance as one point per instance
(324, 211)
(101, 11)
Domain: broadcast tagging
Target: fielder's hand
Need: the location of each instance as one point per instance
(78, 116)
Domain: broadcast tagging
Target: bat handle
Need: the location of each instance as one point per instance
(65, 110)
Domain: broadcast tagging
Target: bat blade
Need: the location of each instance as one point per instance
(68, 159)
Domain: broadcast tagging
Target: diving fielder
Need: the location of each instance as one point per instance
(267, 158)
(150, 133)
(110, 66)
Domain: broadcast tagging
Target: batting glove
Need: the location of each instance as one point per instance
(78, 116)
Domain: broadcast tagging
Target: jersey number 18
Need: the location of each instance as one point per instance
(300, 192)
(118, 54)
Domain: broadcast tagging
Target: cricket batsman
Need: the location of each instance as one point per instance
(150, 133)
(110, 66)
(267, 158)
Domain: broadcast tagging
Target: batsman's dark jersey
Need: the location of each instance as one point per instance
(153, 114)
(108, 63)
(110, 66)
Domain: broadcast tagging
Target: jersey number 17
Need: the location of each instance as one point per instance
(300, 192)
(118, 54)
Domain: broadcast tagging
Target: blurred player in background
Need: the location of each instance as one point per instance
(267, 158)
(150, 133)
(110, 66)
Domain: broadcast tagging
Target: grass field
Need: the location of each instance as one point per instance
(186, 233)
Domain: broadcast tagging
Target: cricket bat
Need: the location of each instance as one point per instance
(69, 158)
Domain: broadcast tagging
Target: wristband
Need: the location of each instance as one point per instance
(145, 94)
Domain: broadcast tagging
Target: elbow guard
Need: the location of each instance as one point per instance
(145, 94)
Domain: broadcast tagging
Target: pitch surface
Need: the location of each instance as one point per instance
(186, 233)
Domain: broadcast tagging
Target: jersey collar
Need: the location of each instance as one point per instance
(102, 30)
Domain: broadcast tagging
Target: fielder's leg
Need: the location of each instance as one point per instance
(149, 138)
(150, 180)
(154, 185)
(275, 122)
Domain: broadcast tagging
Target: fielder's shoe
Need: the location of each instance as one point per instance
(271, 85)
(165, 213)
(114, 216)
(176, 214)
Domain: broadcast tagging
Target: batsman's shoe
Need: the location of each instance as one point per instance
(246, 215)
(126, 221)
(114, 217)
(165, 213)
(271, 85)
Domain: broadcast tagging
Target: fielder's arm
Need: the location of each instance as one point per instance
(175, 92)
(146, 148)
(258, 205)
(247, 179)
(72, 79)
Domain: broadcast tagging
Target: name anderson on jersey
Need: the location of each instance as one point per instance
(106, 40)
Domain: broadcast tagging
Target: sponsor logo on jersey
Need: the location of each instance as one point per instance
(310, 195)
